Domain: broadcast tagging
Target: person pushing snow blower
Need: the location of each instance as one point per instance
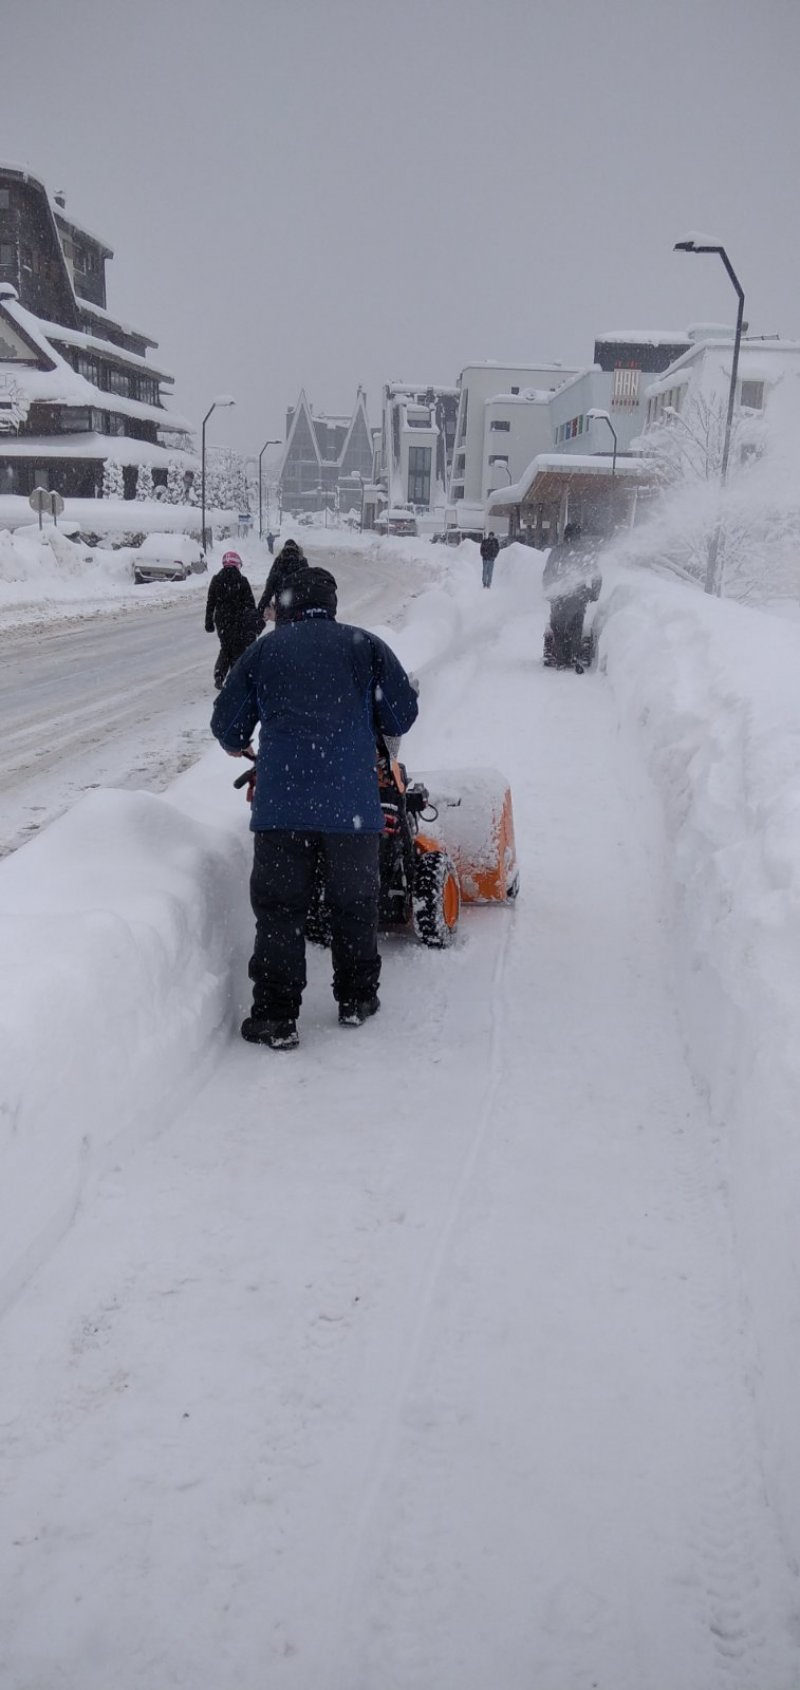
(322, 692)
(571, 580)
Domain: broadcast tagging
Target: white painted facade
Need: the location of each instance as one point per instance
(768, 377)
(413, 456)
(488, 401)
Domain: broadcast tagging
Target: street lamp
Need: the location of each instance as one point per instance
(221, 400)
(603, 416)
(260, 456)
(594, 415)
(699, 243)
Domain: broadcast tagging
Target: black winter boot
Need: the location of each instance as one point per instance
(354, 1011)
(278, 1035)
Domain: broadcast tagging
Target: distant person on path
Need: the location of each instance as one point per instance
(490, 546)
(271, 538)
(289, 562)
(231, 613)
(571, 580)
(322, 692)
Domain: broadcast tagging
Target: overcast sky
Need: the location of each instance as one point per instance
(325, 192)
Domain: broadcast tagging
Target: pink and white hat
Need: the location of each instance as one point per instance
(231, 560)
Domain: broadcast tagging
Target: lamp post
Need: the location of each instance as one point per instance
(595, 415)
(698, 243)
(260, 503)
(221, 400)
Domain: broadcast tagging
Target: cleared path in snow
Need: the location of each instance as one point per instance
(123, 697)
(418, 1359)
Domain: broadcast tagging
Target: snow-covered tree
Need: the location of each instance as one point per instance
(144, 482)
(176, 491)
(113, 480)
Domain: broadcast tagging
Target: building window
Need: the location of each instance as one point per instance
(499, 458)
(118, 381)
(8, 255)
(419, 475)
(625, 391)
(5, 199)
(753, 395)
(498, 427)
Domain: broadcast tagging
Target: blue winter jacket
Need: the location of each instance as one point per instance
(321, 691)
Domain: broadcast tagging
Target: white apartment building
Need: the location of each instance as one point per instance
(768, 378)
(502, 423)
(415, 448)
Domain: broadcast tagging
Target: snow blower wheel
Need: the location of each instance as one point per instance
(436, 903)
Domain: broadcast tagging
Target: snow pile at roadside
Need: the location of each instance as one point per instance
(114, 517)
(117, 955)
(715, 691)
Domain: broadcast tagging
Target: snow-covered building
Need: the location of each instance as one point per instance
(415, 449)
(703, 373)
(577, 463)
(326, 459)
(502, 422)
(76, 387)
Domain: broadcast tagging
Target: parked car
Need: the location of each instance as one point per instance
(168, 557)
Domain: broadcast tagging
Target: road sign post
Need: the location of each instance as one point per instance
(42, 499)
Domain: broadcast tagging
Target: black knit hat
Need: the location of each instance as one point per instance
(309, 589)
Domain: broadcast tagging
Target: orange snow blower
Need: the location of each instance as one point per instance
(448, 840)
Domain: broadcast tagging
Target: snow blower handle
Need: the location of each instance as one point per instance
(248, 779)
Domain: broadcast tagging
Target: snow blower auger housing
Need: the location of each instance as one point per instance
(448, 840)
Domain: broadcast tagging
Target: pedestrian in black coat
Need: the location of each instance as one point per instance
(289, 562)
(231, 613)
(490, 546)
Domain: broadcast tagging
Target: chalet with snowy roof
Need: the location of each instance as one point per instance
(76, 386)
(326, 460)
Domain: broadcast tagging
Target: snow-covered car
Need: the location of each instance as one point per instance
(167, 557)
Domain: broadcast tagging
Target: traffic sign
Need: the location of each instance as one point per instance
(41, 499)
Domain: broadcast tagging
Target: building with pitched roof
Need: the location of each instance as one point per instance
(326, 459)
(76, 385)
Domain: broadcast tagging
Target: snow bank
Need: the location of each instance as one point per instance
(715, 691)
(118, 956)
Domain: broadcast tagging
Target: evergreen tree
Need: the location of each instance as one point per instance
(144, 482)
(113, 480)
(176, 492)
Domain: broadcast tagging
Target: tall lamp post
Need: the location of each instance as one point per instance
(260, 504)
(595, 415)
(221, 400)
(698, 243)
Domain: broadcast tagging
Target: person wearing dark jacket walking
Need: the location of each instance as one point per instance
(231, 613)
(321, 691)
(289, 562)
(490, 546)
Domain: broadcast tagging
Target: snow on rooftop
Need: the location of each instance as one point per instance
(646, 337)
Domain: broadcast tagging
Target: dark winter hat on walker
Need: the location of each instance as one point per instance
(309, 589)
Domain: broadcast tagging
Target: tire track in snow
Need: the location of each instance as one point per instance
(735, 1540)
(380, 1464)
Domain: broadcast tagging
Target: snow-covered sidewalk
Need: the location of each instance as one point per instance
(420, 1357)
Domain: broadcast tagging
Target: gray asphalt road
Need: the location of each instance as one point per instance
(123, 698)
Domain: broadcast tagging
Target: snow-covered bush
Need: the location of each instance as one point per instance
(144, 482)
(113, 480)
(176, 489)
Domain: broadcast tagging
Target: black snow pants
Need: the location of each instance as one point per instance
(281, 886)
(232, 642)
